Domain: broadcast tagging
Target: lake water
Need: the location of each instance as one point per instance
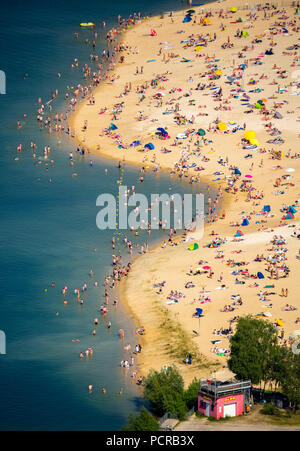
(48, 233)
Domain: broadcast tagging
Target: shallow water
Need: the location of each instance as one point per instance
(48, 234)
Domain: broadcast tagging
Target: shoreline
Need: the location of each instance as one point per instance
(135, 158)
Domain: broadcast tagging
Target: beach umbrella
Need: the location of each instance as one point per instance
(233, 9)
(258, 106)
(113, 126)
(237, 171)
(206, 21)
(191, 11)
(187, 19)
(193, 247)
(290, 170)
(260, 275)
(248, 176)
(230, 79)
(292, 209)
(87, 24)
(198, 48)
(279, 322)
(278, 115)
(254, 142)
(206, 267)
(222, 126)
(249, 134)
(149, 146)
(245, 34)
(267, 208)
(153, 32)
(162, 130)
(201, 132)
(218, 72)
(267, 314)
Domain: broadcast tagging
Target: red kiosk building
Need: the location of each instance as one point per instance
(224, 399)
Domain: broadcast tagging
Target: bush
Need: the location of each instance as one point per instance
(143, 421)
(191, 394)
(164, 391)
(270, 409)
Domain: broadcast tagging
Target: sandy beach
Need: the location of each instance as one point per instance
(213, 74)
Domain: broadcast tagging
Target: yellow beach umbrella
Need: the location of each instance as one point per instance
(222, 126)
(249, 134)
(206, 21)
(254, 142)
(233, 9)
(198, 48)
(218, 72)
(279, 322)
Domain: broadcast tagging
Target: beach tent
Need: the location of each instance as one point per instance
(149, 146)
(260, 275)
(267, 208)
(206, 21)
(193, 247)
(245, 222)
(239, 233)
(237, 171)
(289, 216)
(112, 126)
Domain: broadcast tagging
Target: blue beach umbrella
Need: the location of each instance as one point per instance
(149, 146)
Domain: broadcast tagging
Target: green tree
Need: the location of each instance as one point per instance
(290, 381)
(191, 393)
(252, 349)
(143, 421)
(164, 390)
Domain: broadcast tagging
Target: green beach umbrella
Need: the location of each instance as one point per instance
(201, 132)
(191, 11)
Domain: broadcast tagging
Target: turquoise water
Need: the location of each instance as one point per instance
(48, 234)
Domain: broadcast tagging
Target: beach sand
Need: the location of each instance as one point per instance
(171, 330)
